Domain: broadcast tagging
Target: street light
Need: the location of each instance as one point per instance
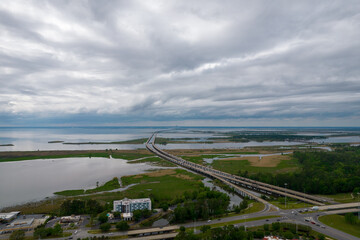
(285, 193)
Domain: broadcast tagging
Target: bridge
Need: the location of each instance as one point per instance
(237, 182)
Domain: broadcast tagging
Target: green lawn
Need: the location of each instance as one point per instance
(338, 222)
(233, 166)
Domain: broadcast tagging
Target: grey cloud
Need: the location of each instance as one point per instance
(151, 61)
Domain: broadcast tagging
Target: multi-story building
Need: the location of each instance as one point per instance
(127, 206)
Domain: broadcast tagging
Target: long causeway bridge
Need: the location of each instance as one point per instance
(240, 184)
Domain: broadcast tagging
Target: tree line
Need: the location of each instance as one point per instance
(320, 173)
(201, 205)
(89, 206)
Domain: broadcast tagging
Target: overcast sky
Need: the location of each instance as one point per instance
(228, 63)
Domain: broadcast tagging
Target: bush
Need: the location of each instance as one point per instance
(164, 206)
(105, 227)
(288, 235)
(122, 226)
(103, 218)
(17, 235)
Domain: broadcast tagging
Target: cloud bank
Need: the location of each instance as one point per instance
(180, 62)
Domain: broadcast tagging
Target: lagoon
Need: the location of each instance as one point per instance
(34, 180)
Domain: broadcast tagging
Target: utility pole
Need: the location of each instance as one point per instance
(285, 195)
(359, 206)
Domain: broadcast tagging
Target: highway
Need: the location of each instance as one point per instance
(290, 216)
(234, 180)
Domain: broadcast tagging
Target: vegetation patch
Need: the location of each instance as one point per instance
(243, 220)
(265, 161)
(331, 172)
(156, 161)
(343, 197)
(30, 155)
(110, 185)
(70, 192)
(242, 166)
(290, 203)
(339, 222)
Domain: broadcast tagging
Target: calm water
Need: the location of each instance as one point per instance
(32, 139)
(31, 180)
(234, 198)
(350, 139)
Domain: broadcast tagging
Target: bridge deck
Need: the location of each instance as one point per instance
(234, 180)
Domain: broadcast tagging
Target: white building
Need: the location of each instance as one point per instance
(127, 206)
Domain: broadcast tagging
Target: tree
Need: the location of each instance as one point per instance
(117, 214)
(103, 218)
(164, 206)
(275, 226)
(288, 235)
(356, 192)
(137, 214)
(57, 230)
(321, 237)
(122, 226)
(204, 228)
(105, 227)
(266, 227)
(17, 235)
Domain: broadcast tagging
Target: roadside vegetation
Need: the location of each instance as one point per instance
(348, 223)
(283, 230)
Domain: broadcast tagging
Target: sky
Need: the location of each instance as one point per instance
(186, 63)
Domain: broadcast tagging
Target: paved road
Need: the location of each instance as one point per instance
(291, 216)
(285, 216)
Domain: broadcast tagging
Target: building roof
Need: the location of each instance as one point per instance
(127, 215)
(128, 201)
(22, 222)
(7, 216)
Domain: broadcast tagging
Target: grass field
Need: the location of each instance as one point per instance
(338, 222)
(156, 161)
(199, 158)
(342, 197)
(233, 166)
(291, 204)
(30, 155)
(241, 221)
(110, 185)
